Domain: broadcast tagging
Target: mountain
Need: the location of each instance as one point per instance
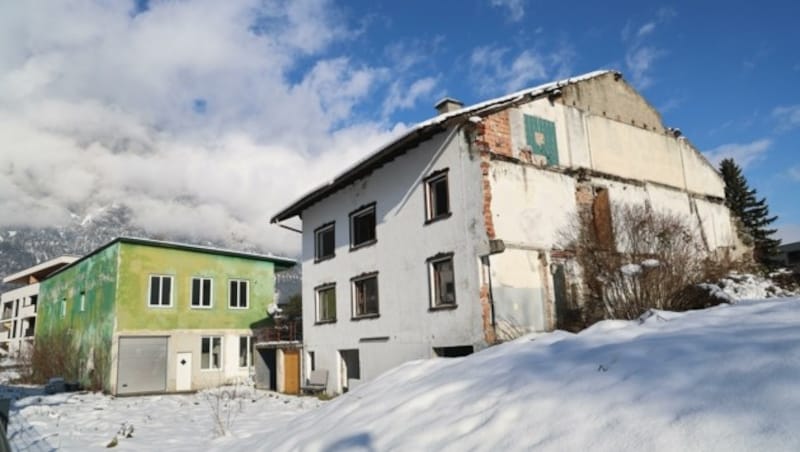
(22, 247)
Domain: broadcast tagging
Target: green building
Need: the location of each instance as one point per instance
(149, 316)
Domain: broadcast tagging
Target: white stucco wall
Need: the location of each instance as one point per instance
(405, 329)
(20, 299)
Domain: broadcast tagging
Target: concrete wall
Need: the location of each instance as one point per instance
(189, 340)
(406, 329)
(17, 314)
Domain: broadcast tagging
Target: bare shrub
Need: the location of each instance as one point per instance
(52, 355)
(650, 261)
(226, 403)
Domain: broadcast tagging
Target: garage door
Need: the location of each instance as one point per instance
(142, 365)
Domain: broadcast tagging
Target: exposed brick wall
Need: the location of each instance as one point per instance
(496, 135)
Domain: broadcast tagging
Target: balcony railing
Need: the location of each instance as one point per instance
(282, 331)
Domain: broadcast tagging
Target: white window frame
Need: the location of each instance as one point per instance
(239, 293)
(249, 356)
(317, 305)
(210, 296)
(160, 292)
(432, 281)
(210, 353)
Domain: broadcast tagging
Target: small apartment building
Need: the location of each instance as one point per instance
(18, 322)
(154, 316)
(447, 239)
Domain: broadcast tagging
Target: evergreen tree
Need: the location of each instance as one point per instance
(751, 211)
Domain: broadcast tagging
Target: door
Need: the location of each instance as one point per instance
(183, 372)
(291, 369)
(264, 362)
(142, 365)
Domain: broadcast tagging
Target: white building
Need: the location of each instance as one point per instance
(442, 240)
(18, 322)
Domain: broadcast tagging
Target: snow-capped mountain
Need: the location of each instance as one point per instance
(23, 247)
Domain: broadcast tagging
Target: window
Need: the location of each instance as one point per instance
(63, 307)
(540, 135)
(437, 197)
(201, 292)
(238, 293)
(365, 296)
(362, 226)
(83, 301)
(326, 303)
(245, 351)
(211, 352)
(325, 242)
(160, 290)
(442, 281)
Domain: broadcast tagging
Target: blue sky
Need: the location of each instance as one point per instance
(206, 117)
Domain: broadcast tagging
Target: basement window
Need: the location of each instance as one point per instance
(238, 293)
(437, 197)
(326, 303)
(365, 296)
(362, 227)
(325, 242)
(441, 280)
(211, 352)
(160, 291)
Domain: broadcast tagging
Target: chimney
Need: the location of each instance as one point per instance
(447, 105)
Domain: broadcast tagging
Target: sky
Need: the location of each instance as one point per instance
(207, 117)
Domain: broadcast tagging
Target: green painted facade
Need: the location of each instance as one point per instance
(114, 285)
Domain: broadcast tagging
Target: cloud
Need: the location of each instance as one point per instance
(794, 173)
(496, 70)
(203, 117)
(516, 8)
(404, 97)
(743, 153)
(787, 117)
(640, 53)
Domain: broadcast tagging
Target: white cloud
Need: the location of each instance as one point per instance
(98, 106)
(794, 173)
(743, 153)
(640, 53)
(494, 71)
(788, 117)
(646, 29)
(516, 8)
(403, 97)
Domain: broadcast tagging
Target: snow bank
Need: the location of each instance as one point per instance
(745, 286)
(724, 378)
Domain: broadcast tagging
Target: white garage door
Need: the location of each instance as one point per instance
(142, 365)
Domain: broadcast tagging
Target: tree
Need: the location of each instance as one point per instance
(752, 212)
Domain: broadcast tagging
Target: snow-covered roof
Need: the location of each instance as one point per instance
(414, 135)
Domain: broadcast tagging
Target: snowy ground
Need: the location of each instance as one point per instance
(725, 378)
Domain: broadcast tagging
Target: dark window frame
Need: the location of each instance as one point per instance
(430, 268)
(359, 212)
(317, 290)
(433, 178)
(239, 282)
(354, 302)
(317, 245)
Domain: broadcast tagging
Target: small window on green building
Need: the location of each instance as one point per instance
(540, 135)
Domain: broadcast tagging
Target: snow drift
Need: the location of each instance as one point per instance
(724, 378)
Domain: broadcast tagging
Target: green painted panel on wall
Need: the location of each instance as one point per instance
(540, 134)
(80, 300)
(138, 263)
